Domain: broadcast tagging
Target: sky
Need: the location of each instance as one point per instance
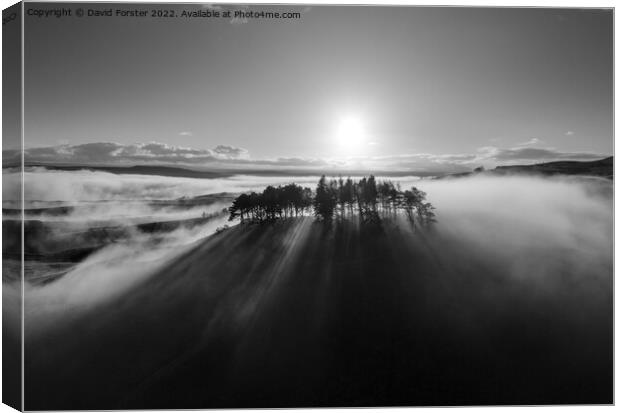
(405, 88)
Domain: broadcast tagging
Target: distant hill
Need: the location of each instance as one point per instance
(602, 167)
(189, 172)
(141, 170)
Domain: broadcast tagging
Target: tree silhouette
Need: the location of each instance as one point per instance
(334, 197)
(341, 196)
(414, 203)
(348, 194)
(272, 203)
(324, 200)
(426, 214)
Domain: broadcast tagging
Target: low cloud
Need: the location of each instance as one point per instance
(231, 152)
(110, 272)
(554, 234)
(43, 185)
(235, 158)
(531, 142)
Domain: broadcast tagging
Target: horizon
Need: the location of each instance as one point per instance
(211, 161)
(223, 171)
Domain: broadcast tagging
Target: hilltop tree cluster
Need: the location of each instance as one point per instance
(366, 198)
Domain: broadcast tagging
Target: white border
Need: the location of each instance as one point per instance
(483, 3)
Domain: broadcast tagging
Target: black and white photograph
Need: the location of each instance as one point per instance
(248, 206)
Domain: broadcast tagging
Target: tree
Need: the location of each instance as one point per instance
(414, 203)
(388, 196)
(341, 196)
(426, 214)
(370, 193)
(367, 199)
(239, 207)
(271, 202)
(348, 194)
(324, 200)
(307, 199)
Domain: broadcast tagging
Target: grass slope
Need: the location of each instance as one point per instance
(298, 314)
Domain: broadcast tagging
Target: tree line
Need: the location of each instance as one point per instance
(274, 202)
(366, 198)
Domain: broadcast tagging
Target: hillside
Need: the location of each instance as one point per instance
(298, 314)
(220, 172)
(134, 170)
(56, 241)
(602, 167)
(69, 233)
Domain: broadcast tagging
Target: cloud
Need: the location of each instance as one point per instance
(231, 152)
(227, 157)
(569, 133)
(155, 153)
(116, 153)
(296, 162)
(539, 218)
(488, 156)
(186, 133)
(419, 162)
(48, 185)
(554, 246)
(532, 141)
(112, 270)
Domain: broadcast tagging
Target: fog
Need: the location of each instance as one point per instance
(529, 225)
(41, 184)
(125, 213)
(50, 185)
(109, 272)
(531, 228)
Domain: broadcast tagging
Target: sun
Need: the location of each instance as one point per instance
(350, 133)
